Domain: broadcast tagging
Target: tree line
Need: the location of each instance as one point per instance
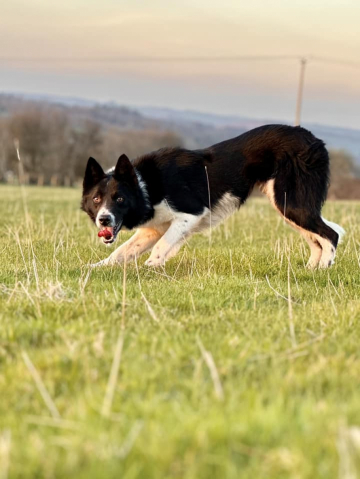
(54, 145)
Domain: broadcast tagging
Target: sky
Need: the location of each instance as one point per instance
(72, 48)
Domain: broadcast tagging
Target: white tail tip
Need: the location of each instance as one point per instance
(339, 230)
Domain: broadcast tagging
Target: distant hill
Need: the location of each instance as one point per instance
(197, 129)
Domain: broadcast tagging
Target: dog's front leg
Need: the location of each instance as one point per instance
(179, 229)
(139, 243)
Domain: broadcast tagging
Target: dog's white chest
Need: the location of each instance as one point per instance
(163, 216)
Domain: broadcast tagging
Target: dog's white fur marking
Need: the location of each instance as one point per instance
(315, 248)
(222, 210)
(182, 225)
(104, 211)
(329, 251)
(225, 207)
(163, 216)
(322, 250)
(177, 226)
(143, 188)
(339, 230)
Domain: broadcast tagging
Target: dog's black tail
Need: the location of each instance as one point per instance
(304, 175)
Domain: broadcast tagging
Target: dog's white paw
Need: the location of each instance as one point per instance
(105, 262)
(155, 261)
(99, 264)
(110, 261)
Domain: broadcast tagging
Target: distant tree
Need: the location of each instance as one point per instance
(58, 141)
(342, 164)
(135, 143)
(3, 149)
(85, 140)
(345, 182)
(32, 130)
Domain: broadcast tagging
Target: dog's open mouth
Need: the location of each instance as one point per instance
(108, 234)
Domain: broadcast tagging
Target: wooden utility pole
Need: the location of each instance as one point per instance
(303, 63)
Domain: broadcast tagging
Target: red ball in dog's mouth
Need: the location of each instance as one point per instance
(105, 233)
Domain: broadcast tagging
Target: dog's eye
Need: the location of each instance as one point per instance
(120, 199)
(96, 199)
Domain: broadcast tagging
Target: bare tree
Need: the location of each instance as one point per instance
(345, 181)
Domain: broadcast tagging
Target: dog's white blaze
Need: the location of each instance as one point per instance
(104, 211)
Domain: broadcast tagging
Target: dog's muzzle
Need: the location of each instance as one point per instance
(108, 234)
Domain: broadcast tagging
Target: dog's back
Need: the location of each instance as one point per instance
(267, 152)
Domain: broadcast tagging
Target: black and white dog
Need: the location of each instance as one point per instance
(172, 193)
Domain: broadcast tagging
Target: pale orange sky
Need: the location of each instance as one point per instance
(94, 30)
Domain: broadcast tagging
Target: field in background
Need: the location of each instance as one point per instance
(220, 375)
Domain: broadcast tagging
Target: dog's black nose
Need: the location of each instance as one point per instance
(105, 220)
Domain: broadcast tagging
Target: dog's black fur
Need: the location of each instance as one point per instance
(193, 180)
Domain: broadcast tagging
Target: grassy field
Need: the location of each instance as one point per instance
(201, 370)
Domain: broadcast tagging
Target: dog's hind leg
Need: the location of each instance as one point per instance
(321, 237)
(139, 243)
(315, 248)
(328, 235)
(337, 232)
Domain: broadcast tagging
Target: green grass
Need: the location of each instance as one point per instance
(284, 405)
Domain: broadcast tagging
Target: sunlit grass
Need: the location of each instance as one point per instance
(208, 379)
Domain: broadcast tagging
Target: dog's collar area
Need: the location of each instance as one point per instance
(143, 189)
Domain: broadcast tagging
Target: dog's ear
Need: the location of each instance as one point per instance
(93, 174)
(124, 170)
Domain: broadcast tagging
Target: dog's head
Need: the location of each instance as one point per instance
(111, 199)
